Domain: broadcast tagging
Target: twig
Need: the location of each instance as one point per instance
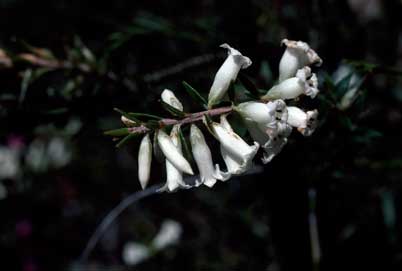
(190, 118)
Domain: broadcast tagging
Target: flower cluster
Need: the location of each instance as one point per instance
(268, 119)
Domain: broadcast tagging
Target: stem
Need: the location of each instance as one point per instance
(190, 118)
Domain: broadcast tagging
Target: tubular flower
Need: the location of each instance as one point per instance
(226, 74)
(144, 161)
(297, 55)
(305, 122)
(266, 116)
(236, 153)
(169, 98)
(304, 83)
(174, 175)
(233, 143)
(203, 158)
(171, 152)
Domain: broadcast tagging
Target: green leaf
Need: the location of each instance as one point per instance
(266, 72)
(363, 66)
(157, 150)
(175, 112)
(343, 86)
(135, 115)
(186, 148)
(127, 115)
(125, 140)
(232, 93)
(249, 85)
(195, 95)
(117, 132)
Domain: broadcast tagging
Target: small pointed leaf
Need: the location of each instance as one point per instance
(195, 94)
(248, 84)
(125, 140)
(172, 110)
(127, 115)
(117, 132)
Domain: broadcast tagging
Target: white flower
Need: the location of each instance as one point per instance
(271, 140)
(203, 158)
(134, 253)
(265, 115)
(169, 234)
(169, 98)
(9, 163)
(236, 153)
(297, 55)
(275, 143)
(172, 154)
(227, 74)
(174, 176)
(305, 122)
(233, 143)
(127, 121)
(144, 161)
(304, 83)
(58, 152)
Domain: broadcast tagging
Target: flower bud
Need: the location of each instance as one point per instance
(169, 234)
(227, 74)
(169, 98)
(144, 161)
(127, 121)
(135, 253)
(297, 55)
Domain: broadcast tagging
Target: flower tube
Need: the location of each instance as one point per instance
(144, 161)
(227, 74)
(172, 154)
(233, 143)
(203, 158)
(236, 162)
(304, 83)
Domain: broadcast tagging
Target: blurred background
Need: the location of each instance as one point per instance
(331, 201)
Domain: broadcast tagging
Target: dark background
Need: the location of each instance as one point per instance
(256, 222)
